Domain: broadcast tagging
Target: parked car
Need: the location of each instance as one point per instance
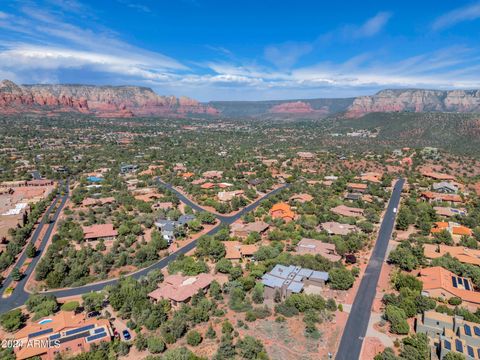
(126, 335)
(93, 314)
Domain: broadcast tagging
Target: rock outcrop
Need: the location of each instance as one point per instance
(102, 101)
(296, 107)
(416, 100)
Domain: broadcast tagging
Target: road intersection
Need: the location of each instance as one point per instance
(20, 295)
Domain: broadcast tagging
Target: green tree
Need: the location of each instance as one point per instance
(31, 251)
(16, 274)
(341, 279)
(155, 345)
(12, 320)
(257, 293)
(194, 338)
(251, 348)
(93, 301)
(210, 334)
(397, 319)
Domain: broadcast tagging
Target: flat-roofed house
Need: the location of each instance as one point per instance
(449, 211)
(445, 187)
(99, 232)
(225, 196)
(126, 169)
(243, 230)
(317, 247)
(452, 333)
(347, 211)
(287, 280)
(179, 289)
(441, 283)
(336, 228)
(463, 254)
(72, 332)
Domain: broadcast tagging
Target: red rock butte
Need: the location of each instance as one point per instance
(102, 101)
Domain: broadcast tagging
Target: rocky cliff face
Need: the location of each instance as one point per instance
(416, 100)
(102, 101)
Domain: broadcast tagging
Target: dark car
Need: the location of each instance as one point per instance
(93, 314)
(126, 335)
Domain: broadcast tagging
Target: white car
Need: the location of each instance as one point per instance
(394, 210)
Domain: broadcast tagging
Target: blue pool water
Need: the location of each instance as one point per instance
(94, 179)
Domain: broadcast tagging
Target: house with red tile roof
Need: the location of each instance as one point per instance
(179, 289)
(357, 187)
(453, 228)
(439, 197)
(235, 250)
(72, 332)
(213, 174)
(207, 185)
(374, 177)
(282, 211)
(436, 175)
(99, 232)
(463, 254)
(187, 175)
(441, 283)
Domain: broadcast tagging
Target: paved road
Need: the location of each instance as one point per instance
(19, 296)
(357, 323)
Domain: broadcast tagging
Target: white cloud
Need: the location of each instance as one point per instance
(466, 13)
(287, 54)
(373, 25)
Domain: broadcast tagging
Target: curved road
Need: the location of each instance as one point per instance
(357, 323)
(20, 296)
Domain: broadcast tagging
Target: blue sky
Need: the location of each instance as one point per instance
(243, 50)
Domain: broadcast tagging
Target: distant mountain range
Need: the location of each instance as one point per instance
(103, 101)
(130, 101)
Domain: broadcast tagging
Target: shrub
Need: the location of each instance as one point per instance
(155, 345)
(341, 279)
(194, 338)
(455, 301)
(397, 319)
